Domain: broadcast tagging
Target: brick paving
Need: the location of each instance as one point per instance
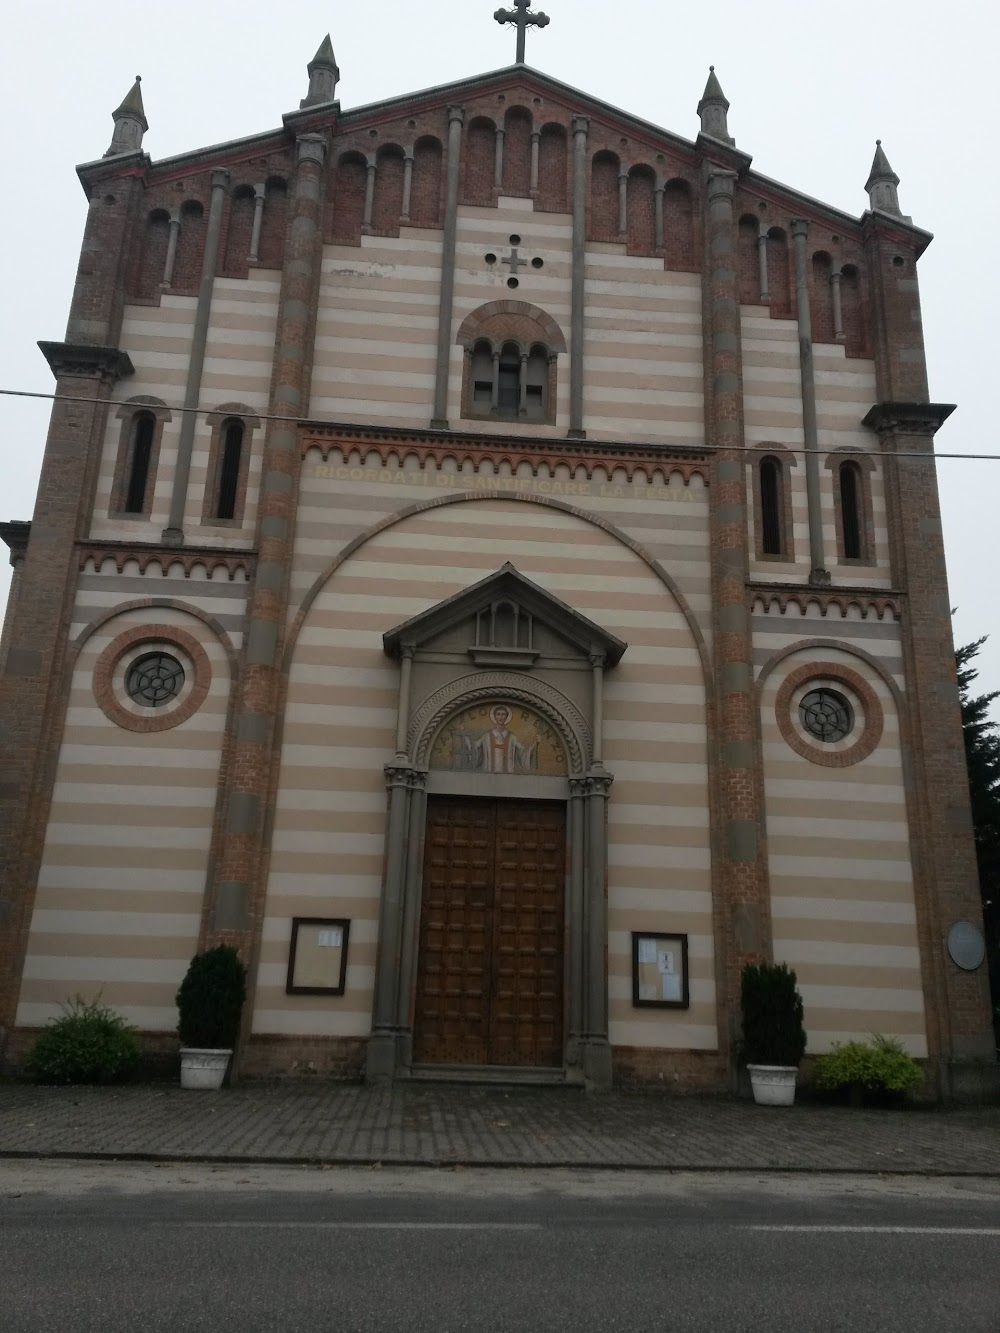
(487, 1126)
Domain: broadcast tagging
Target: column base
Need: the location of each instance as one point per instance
(380, 1061)
(596, 1062)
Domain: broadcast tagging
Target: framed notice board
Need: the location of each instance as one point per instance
(659, 970)
(317, 956)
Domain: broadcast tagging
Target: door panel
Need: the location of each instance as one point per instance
(490, 971)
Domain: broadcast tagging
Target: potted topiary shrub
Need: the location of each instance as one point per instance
(774, 1035)
(878, 1072)
(209, 1005)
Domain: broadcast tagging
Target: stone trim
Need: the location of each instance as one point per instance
(149, 721)
(127, 414)
(871, 732)
(15, 535)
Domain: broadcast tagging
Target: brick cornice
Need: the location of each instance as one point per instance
(84, 361)
(867, 600)
(536, 451)
(147, 553)
(896, 227)
(912, 418)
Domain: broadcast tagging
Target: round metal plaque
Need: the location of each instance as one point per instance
(966, 945)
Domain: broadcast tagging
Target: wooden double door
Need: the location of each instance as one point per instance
(492, 925)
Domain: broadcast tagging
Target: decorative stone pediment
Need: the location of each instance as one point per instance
(504, 621)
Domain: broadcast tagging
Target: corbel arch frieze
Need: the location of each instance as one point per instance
(505, 687)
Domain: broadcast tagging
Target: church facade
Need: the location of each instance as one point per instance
(487, 567)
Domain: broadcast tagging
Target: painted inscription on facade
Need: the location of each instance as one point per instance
(499, 738)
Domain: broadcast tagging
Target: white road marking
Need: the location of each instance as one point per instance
(888, 1231)
(372, 1226)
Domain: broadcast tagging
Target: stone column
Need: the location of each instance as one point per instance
(536, 138)
(838, 309)
(522, 406)
(381, 1059)
(407, 183)
(817, 560)
(370, 193)
(237, 887)
(623, 205)
(173, 533)
(581, 129)
(171, 259)
(597, 669)
(596, 1046)
(456, 118)
(740, 870)
(501, 135)
(658, 194)
(403, 704)
(762, 230)
(259, 192)
(410, 930)
(495, 400)
(576, 916)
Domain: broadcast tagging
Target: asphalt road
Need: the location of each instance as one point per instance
(140, 1248)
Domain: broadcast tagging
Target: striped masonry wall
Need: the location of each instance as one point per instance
(123, 872)
(329, 828)
(772, 398)
(376, 330)
(842, 898)
(238, 362)
(343, 496)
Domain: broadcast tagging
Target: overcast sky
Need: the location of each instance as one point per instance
(811, 88)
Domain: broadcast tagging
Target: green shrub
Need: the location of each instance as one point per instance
(89, 1043)
(879, 1065)
(210, 999)
(773, 1028)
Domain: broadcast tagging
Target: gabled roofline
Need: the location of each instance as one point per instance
(588, 636)
(388, 108)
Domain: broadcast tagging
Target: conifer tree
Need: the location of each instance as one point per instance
(982, 752)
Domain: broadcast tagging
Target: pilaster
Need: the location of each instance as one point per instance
(238, 866)
(743, 907)
(33, 689)
(960, 1033)
(581, 131)
(456, 119)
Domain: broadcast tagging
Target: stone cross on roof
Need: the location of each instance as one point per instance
(522, 20)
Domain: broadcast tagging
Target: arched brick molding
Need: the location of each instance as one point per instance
(516, 320)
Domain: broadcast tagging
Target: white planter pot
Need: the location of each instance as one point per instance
(203, 1069)
(773, 1085)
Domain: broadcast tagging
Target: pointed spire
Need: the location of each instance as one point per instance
(130, 123)
(713, 109)
(323, 75)
(882, 182)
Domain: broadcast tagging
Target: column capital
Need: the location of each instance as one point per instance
(581, 125)
(456, 114)
(405, 776)
(720, 182)
(536, 136)
(598, 659)
(800, 227)
(220, 178)
(311, 148)
(108, 364)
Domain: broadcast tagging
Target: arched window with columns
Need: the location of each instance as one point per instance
(481, 152)
(553, 170)
(349, 186)
(772, 503)
(604, 194)
(511, 356)
(678, 226)
(142, 420)
(517, 153)
(641, 211)
(388, 203)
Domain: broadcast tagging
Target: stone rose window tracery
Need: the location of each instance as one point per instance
(154, 679)
(827, 715)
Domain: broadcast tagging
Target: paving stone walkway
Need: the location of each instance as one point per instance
(483, 1126)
